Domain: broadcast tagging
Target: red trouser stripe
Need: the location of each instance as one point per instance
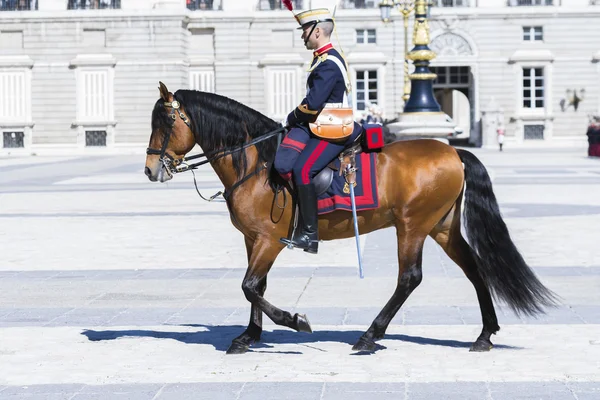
(311, 161)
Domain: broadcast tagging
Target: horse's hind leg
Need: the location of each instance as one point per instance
(410, 256)
(262, 255)
(448, 236)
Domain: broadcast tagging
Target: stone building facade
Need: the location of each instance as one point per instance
(82, 75)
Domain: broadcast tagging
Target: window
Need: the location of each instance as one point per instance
(451, 3)
(202, 79)
(95, 138)
(366, 36)
(530, 2)
(366, 89)
(533, 33)
(278, 5)
(533, 88)
(451, 76)
(18, 5)
(12, 140)
(533, 132)
(93, 4)
(14, 96)
(93, 91)
(282, 91)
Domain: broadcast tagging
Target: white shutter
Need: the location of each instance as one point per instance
(13, 96)
(203, 80)
(283, 89)
(95, 98)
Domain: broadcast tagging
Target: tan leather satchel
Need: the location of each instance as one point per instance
(336, 120)
(333, 123)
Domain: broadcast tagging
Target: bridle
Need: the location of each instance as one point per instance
(174, 166)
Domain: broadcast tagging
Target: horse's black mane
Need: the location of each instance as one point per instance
(222, 123)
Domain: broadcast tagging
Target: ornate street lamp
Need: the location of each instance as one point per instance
(422, 114)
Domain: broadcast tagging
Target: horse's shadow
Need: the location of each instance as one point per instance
(220, 337)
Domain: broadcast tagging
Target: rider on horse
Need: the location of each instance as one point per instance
(302, 155)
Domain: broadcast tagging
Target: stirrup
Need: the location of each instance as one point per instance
(312, 246)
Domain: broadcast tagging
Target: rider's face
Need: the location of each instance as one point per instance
(311, 43)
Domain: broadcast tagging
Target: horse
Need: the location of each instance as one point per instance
(421, 187)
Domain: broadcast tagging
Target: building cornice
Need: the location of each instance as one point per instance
(16, 62)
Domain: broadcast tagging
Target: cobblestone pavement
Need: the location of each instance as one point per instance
(115, 288)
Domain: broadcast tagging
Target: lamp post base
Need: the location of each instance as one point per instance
(418, 125)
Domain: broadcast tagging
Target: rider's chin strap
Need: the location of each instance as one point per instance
(311, 32)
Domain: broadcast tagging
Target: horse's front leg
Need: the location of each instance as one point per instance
(262, 257)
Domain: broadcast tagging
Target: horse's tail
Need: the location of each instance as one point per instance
(500, 264)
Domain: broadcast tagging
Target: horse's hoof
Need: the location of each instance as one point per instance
(237, 348)
(302, 324)
(481, 345)
(364, 345)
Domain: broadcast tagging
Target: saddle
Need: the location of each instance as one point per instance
(370, 139)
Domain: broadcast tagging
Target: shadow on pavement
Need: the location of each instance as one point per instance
(220, 337)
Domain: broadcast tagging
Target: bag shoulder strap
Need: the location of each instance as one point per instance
(344, 72)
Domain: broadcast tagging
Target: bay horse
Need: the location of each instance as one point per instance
(421, 185)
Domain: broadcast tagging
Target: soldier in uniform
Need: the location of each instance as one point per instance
(301, 154)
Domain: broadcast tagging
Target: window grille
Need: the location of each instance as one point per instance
(13, 96)
(13, 140)
(530, 3)
(94, 95)
(93, 4)
(199, 4)
(278, 5)
(449, 76)
(95, 138)
(283, 89)
(451, 3)
(360, 4)
(533, 132)
(18, 5)
(203, 80)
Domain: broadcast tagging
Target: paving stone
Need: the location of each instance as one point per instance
(358, 391)
(530, 391)
(203, 391)
(447, 391)
(281, 390)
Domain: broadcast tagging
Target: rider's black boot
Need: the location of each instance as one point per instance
(306, 234)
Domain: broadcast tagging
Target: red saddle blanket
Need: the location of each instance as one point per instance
(337, 196)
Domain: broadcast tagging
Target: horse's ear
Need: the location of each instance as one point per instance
(164, 92)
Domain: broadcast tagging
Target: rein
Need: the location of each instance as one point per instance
(174, 166)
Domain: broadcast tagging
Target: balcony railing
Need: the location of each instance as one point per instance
(93, 4)
(517, 3)
(265, 5)
(450, 3)
(360, 4)
(200, 4)
(18, 5)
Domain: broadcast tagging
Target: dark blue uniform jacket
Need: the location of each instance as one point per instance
(326, 84)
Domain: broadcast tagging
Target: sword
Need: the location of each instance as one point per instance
(355, 218)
